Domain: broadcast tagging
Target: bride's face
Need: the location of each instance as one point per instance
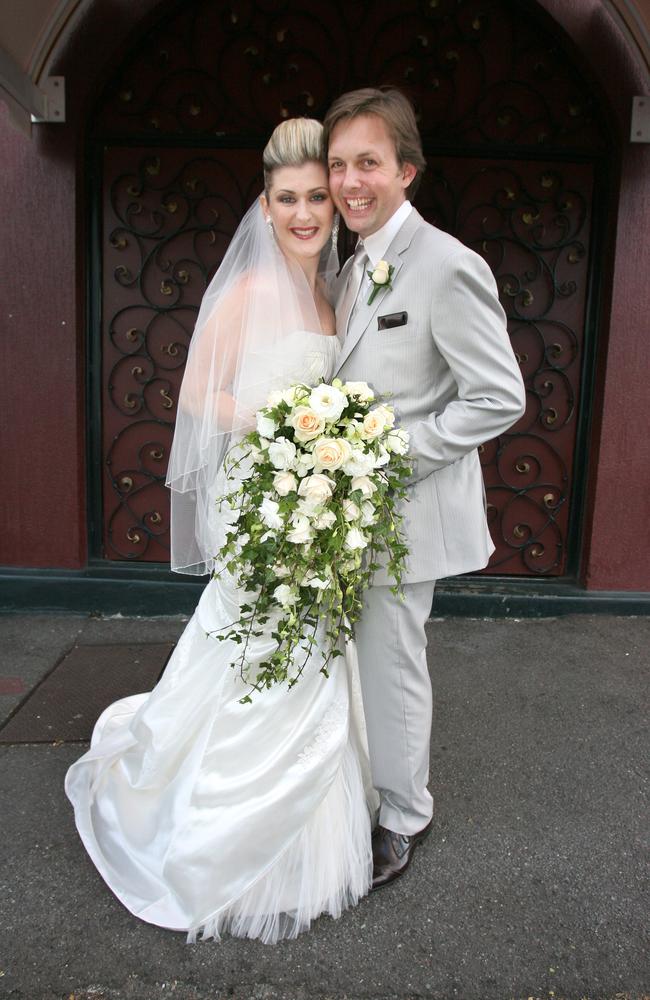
(300, 206)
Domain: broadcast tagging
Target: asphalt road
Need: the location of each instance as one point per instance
(533, 882)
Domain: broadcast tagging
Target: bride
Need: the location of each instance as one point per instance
(203, 814)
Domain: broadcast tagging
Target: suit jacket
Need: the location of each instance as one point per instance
(453, 381)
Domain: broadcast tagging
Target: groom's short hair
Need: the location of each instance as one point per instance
(396, 111)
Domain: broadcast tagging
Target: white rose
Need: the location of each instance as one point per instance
(325, 520)
(281, 571)
(350, 510)
(359, 463)
(275, 397)
(285, 595)
(282, 454)
(306, 424)
(304, 463)
(353, 430)
(265, 426)
(330, 453)
(383, 458)
(316, 582)
(398, 442)
(308, 507)
(269, 513)
(368, 514)
(294, 393)
(381, 274)
(360, 391)
(317, 488)
(327, 401)
(301, 531)
(355, 539)
(284, 483)
(364, 484)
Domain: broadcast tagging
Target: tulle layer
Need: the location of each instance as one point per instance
(324, 870)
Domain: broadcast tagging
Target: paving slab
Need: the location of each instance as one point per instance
(533, 882)
(70, 699)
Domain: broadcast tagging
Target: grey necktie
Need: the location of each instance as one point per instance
(348, 301)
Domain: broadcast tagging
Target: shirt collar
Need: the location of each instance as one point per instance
(378, 243)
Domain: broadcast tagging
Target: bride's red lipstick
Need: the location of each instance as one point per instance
(306, 233)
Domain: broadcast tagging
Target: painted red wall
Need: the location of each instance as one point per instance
(42, 205)
(41, 432)
(617, 530)
(618, 554)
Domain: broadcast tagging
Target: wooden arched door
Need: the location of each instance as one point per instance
(516, 155)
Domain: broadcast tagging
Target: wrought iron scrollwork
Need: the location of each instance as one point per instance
(529, 222)
(484, 79)
(170, 227)
(479, 74)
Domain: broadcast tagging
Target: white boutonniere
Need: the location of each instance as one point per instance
(381, 278)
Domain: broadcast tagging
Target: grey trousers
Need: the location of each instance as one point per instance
(391, 646)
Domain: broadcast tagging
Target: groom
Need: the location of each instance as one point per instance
(435, 338)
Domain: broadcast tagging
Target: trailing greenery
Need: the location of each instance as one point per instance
(312, 502)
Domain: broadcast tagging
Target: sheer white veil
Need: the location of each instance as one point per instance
(256, 298)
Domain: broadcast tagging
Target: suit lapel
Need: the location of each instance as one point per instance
(365, 313)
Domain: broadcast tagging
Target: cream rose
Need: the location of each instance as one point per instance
(381, 273)
(374, 424)
(360, 391)
(306, 424)
(387, 413)
(359, 463)
(275, 397)
(282, 454)
(368, 514)
(398, 442)
(317, 488)
(284, 483)
(355, 539)
(350, 510)
(327, 401)
(301, 530)
(364, 484)
(330, 453)
(326, 519)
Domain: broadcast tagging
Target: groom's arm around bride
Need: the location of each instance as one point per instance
(435, 338)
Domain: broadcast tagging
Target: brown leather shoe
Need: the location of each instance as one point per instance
(392, 853)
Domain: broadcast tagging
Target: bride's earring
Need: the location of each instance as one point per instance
(269, 223)
(335, 228)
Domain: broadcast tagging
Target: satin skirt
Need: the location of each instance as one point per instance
(208, 816)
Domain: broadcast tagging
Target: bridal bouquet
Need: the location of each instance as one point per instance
(314, 499)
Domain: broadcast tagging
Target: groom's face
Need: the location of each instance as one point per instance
(367, 182)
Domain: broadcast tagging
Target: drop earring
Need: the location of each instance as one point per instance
(335, 228)
(269, 223)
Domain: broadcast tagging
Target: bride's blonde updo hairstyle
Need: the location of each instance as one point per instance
(294, 142)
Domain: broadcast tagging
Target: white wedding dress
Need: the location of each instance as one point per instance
(209, 816)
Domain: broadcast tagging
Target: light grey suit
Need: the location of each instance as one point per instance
(454, 383)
